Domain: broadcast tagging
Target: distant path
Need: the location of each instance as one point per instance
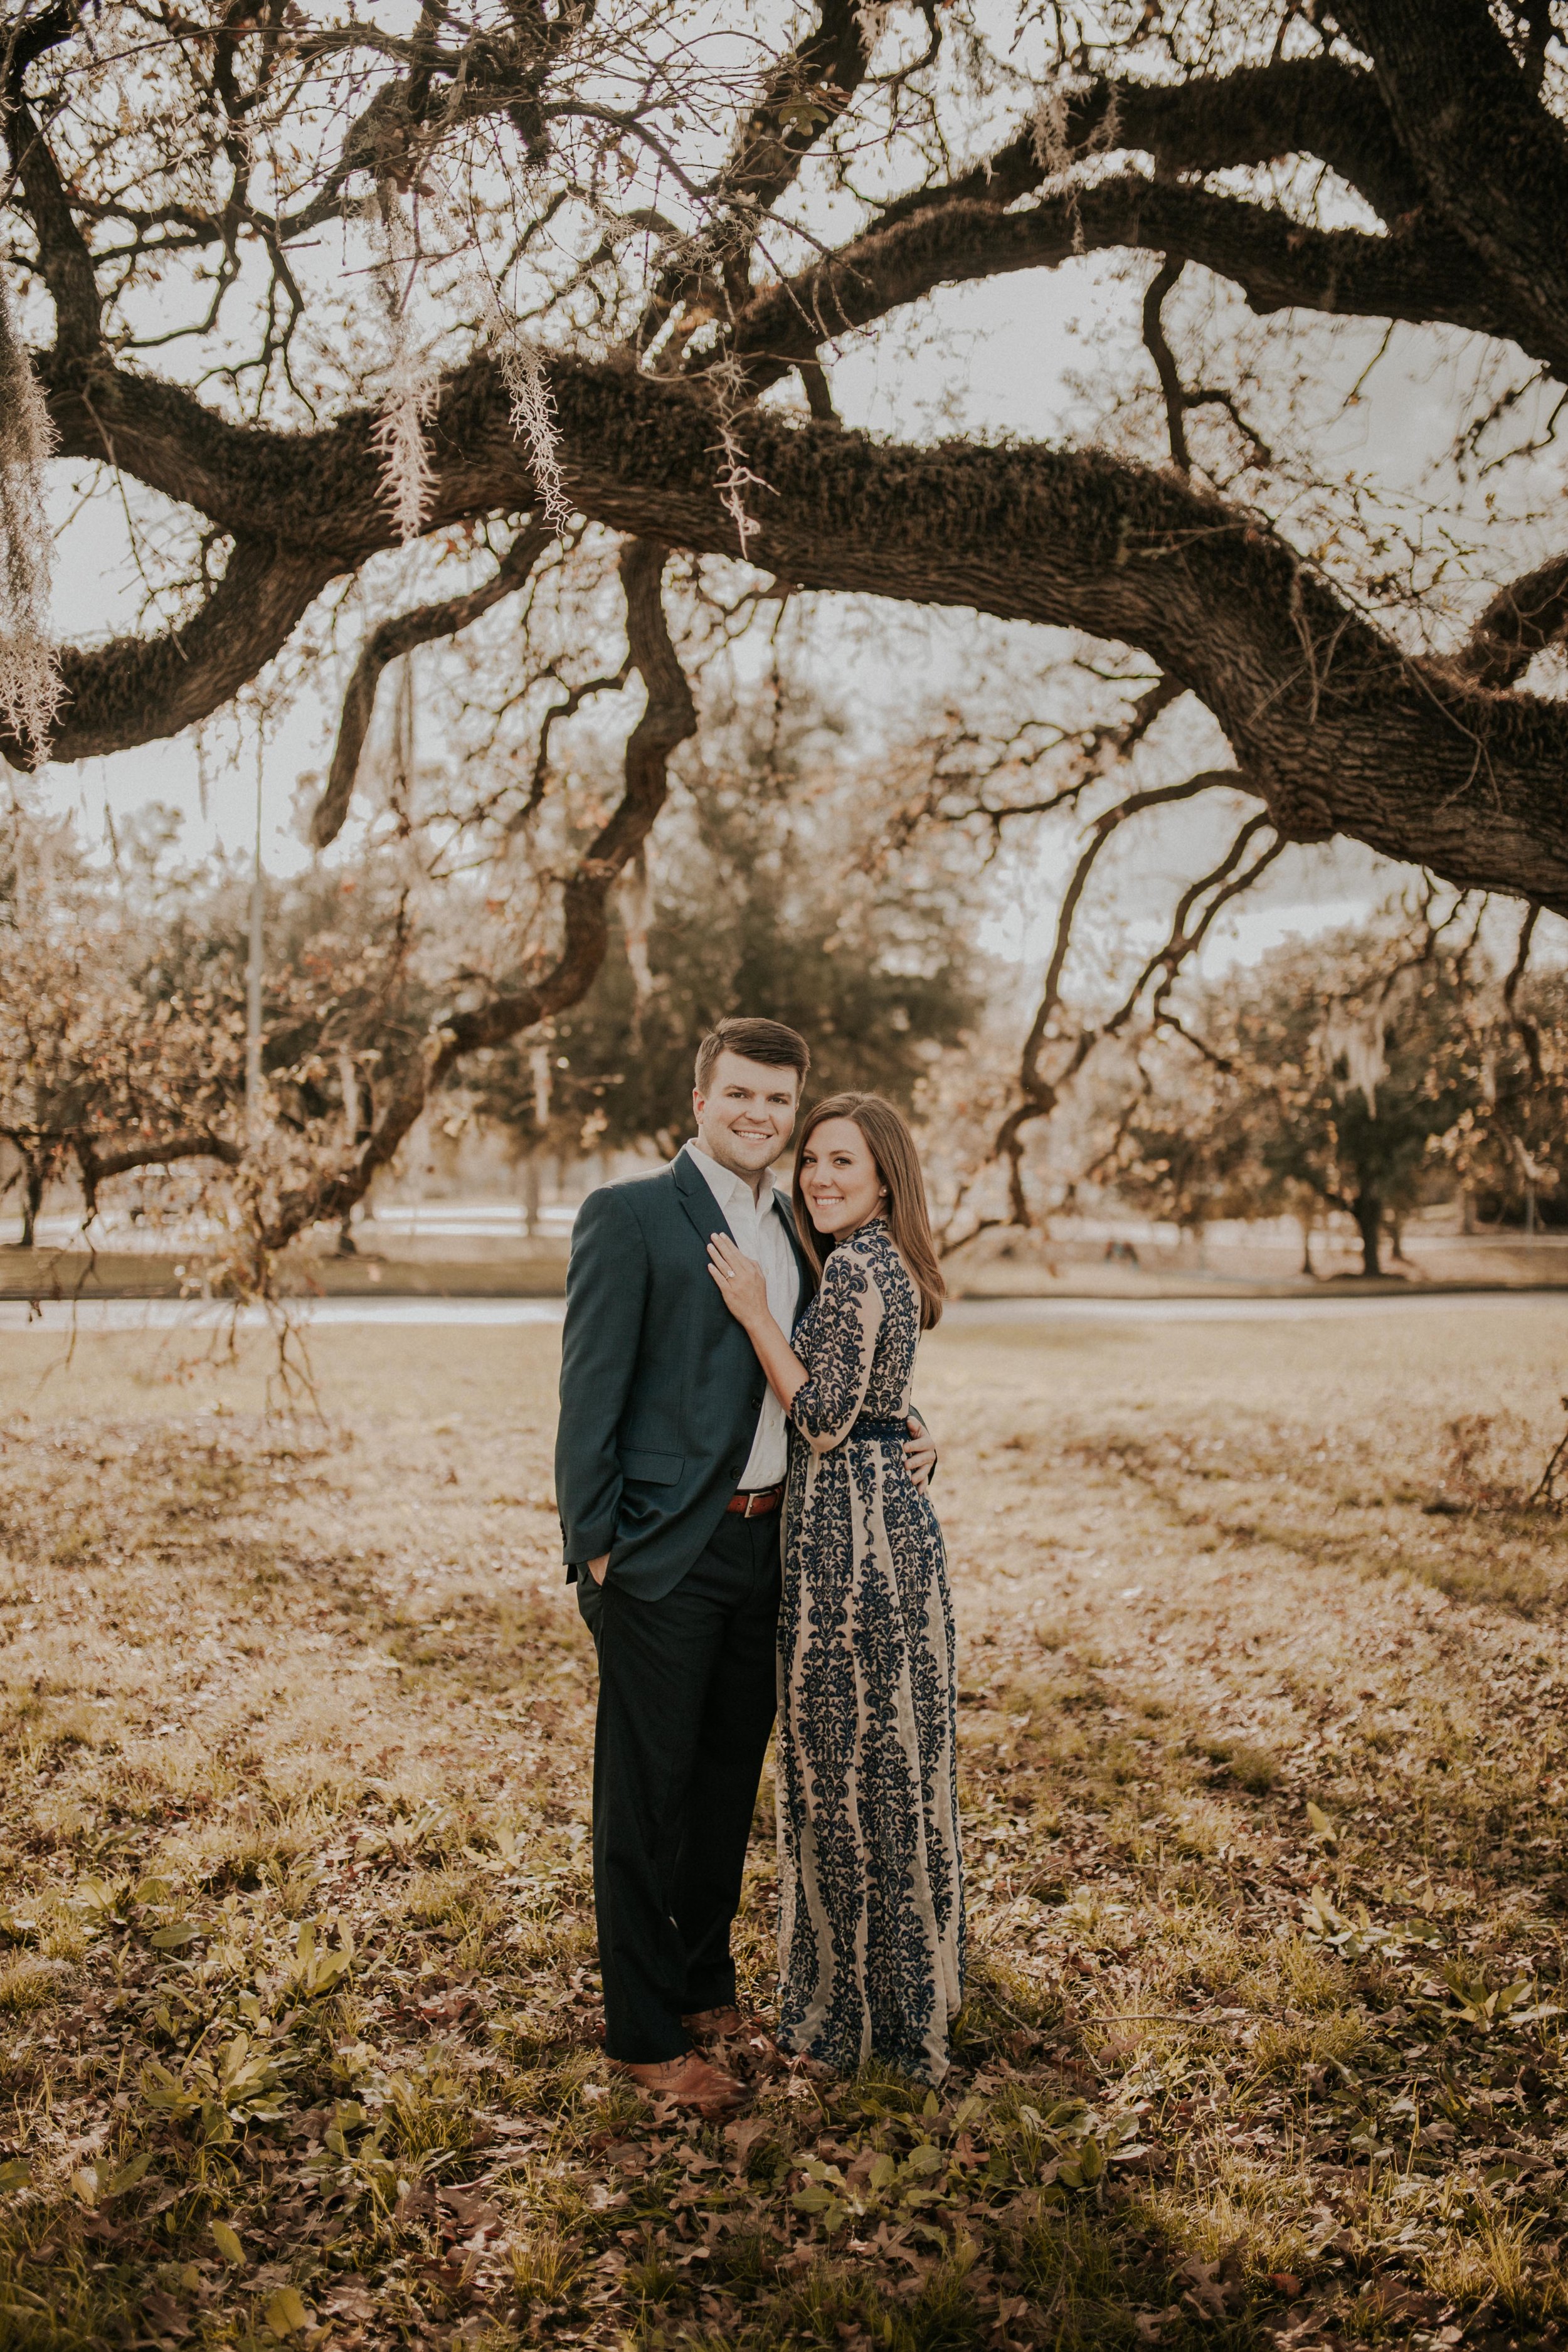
(965, 1314)
(1298, 1309)
(195, 1314)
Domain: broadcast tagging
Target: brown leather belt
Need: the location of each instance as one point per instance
(752, 1505)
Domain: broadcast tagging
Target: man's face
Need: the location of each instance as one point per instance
(744, 1119)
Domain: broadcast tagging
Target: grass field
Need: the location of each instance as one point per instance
(1265, 1709)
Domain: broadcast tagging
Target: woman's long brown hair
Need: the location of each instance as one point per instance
(897, 1164)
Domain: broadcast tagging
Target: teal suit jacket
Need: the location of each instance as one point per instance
(660, 1388)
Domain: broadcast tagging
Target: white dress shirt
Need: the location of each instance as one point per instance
(758, 1225)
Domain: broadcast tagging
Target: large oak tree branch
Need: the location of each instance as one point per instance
(668, 717)
(324, 489)
(97, 1165)
(63, 255)
(141, 689)
(1420, 278)
(1521, 622)
(807, 91)
(387, 643)
(1339, 729)
(27, 39)
(1492, 158)
(1260, 114)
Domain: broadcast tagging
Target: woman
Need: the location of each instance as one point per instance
(871, 1926)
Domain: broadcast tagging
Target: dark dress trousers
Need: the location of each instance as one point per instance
(661, 1395)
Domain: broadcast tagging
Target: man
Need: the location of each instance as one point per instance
(669, 1470)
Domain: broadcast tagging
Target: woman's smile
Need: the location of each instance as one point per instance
(838, 1177)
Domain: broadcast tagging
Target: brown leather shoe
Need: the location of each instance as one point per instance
(713, 2025)
(689, 2082)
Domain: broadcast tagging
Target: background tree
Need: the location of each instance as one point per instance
(1185, 1145)
(767, 895)
(122, 1014)
(1337, 1070)
(1510, 1145)
(1371, 1070)
(98, 1075)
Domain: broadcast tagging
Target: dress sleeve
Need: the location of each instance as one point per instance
(843, 1344)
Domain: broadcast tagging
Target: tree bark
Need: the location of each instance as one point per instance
(531, 1191)
(1367, 1209)
(1492, 160)
(32, 1201)
(144, 689)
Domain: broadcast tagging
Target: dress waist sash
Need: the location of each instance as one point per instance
(888, 1432)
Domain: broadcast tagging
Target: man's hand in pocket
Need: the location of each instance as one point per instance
(597, 1568)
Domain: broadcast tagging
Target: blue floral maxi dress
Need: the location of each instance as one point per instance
(871, 1926)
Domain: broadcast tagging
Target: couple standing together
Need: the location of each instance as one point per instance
(743, 1500)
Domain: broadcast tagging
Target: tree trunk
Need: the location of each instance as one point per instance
(530, 1190)
(32, 1201)
(1368, 1213)
(1308, 1268)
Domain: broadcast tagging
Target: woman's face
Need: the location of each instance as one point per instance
(840, 1179)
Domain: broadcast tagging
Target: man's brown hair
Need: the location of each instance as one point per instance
(757, 1041)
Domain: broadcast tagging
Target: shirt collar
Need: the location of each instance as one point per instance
(730, 1190)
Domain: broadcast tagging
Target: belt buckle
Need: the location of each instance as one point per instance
(751, 1511)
